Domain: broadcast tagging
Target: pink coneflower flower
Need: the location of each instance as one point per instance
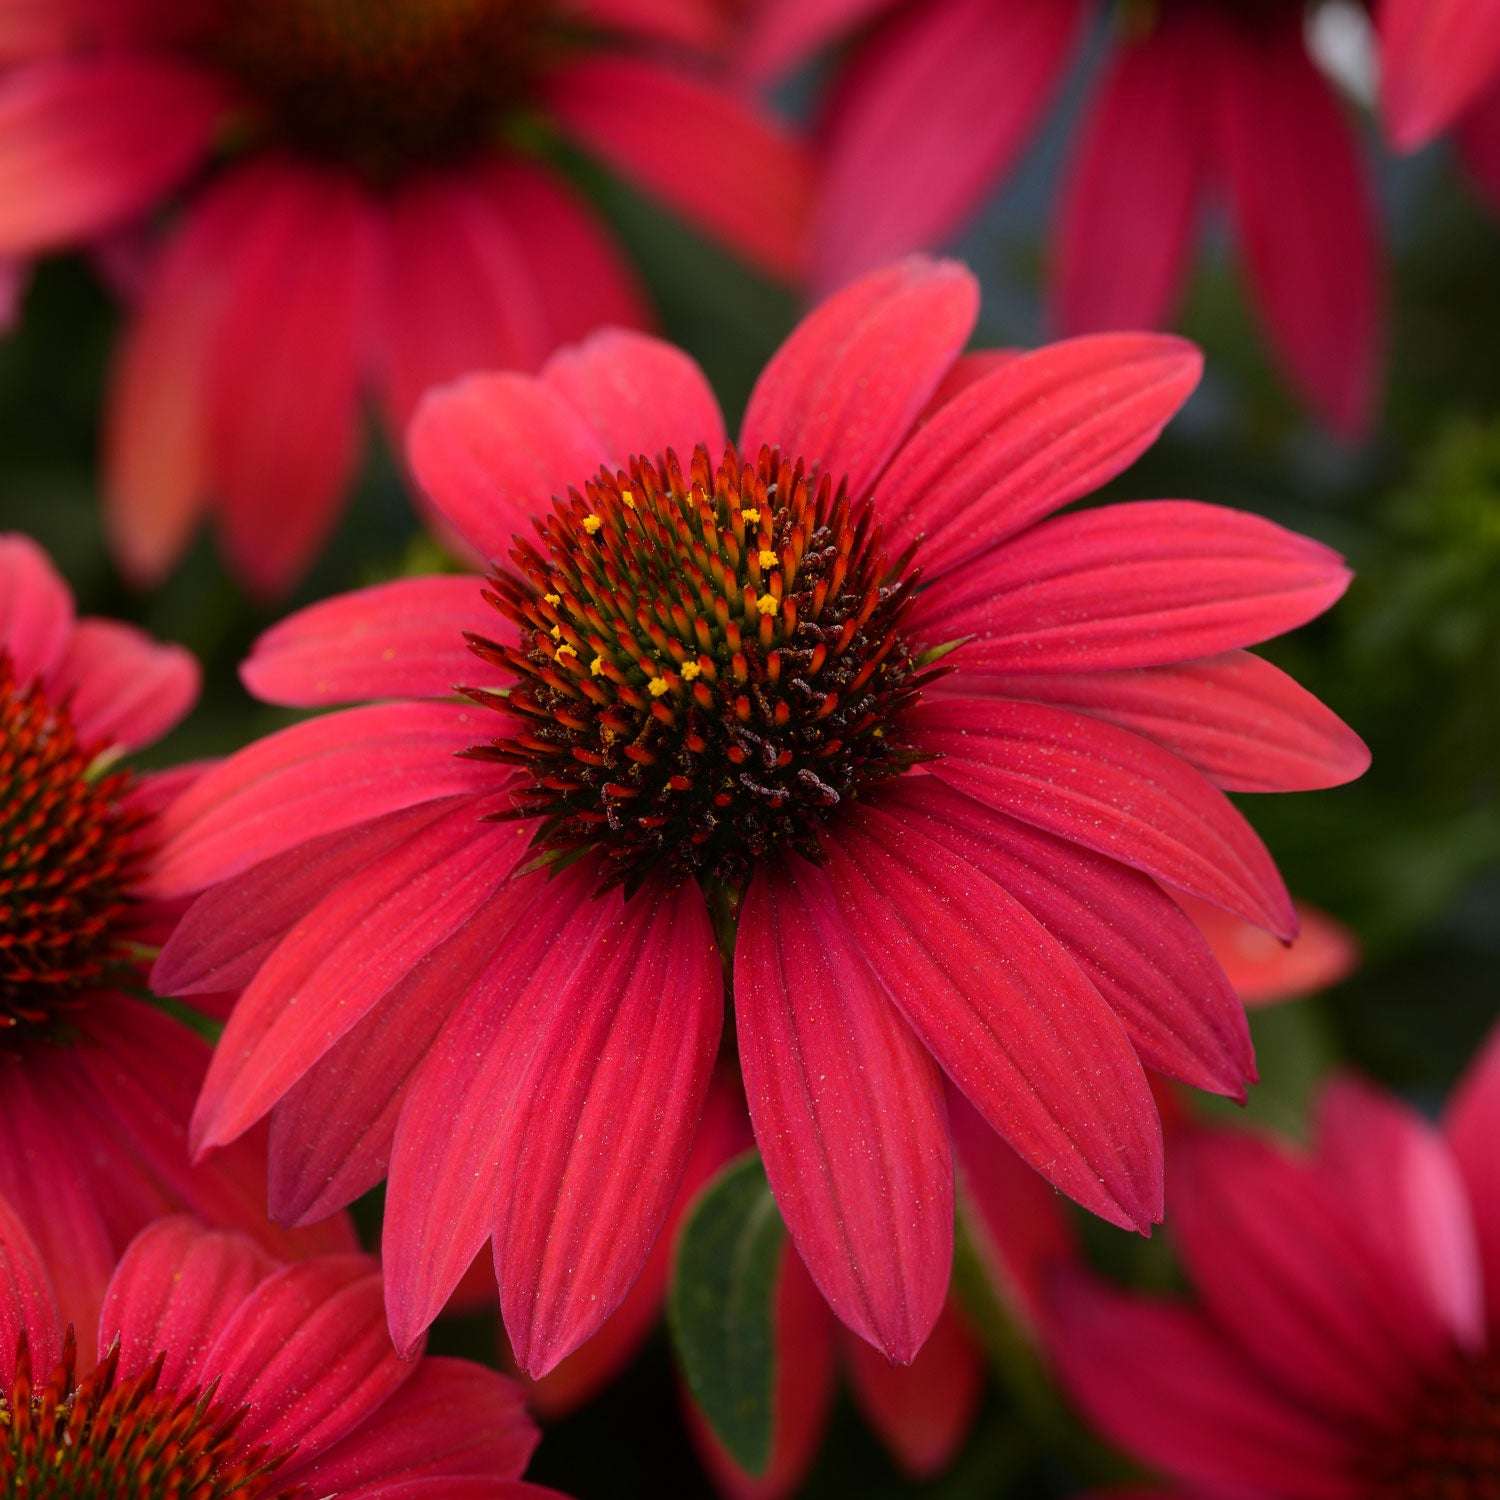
(223, 1372)
(715, 721)
(1197, 101)
(96, 1083)
(1341, 1342)
(368, 200)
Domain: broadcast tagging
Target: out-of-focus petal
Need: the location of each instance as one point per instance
(1435, 58)
(122, 687)
(36, 609)
(1472, 1125)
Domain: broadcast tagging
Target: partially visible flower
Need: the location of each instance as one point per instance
(1264, 971)
(1197, 101)
(714, 716)
(223, 1373)
(1343, 1337)
(96, 1083)
(370, 200)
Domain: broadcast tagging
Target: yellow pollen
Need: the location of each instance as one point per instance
(556, 632)
(751, 516)
(767, 558)
(690, 669)
(768, 604)
(627, 499)
(591, 524)
(597, 666)
(657, 686)
(566, 650)
(553, 599)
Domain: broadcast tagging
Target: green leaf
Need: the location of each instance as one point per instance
(721, 1308)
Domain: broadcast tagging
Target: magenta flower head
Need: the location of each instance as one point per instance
(96, 1084)
(1343, 1336)
(371, 202)
(844, 711)
(223, 1372)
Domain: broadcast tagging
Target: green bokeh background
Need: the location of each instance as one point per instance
(1409, 857)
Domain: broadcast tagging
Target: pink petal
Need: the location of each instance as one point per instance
(733, 171)
(403, 639)
(41, 1182)
(1133, 184)
(307, 1354)
(90, 141)
(451, 1420)
(1031, 434)
(781, 34)
(491, 451)
(285, 372)
(36, 609)
(1161, 1382)
(639, 394)
(1306, 220)
(331, 1133)
(844, 390)
(848, 1111)
(1015, 1220)
(804, 1389)
(457, 293)
(317, 777)
(1435, 57)
(156, 441)
(919, 132)
(122, 687)
(230, 930)
(581, 277)
(1242, 722)
(27, 1305)
(1403, 1185)
(173, 1292)
(922, 1411)
(1288, 1272)
(1002, 1007)
(1479, 146)
(343, 956)
(1263, 970)
(1472, 1125)
(699, 24)
(617, 1044)
(445, 1179)
(1111, 791)
(1142, 584)
(1126, 934)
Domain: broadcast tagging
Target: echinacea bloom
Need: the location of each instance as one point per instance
(1198, 100)
(1342, 1341)
(96, 1082)
(715, 719)
(369, 200)
(1440, 69)
(223, 1372)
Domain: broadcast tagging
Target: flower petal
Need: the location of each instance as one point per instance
(781, 34)
(847, 385)
(1159, 1381)
(27, 1304)
(403, 639)
(343, 956)
(175, 1288)
(1001, 1005)
(918, 132)
(1032, 433)
(1142, 584)
(1435, 57)
(317, 777)
(122, 687)
(1291, 159)
(451, 1420)
(1263, 970)
(733, 170)
(87, 142)
(1242, 722)
(1111, 791)
(1472, 1125)
(285, 372)
(491, 450)
(36, 609)
(639, 394)
(1134, 183)
(848, 1111)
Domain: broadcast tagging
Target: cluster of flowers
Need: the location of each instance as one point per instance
(846, 731)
